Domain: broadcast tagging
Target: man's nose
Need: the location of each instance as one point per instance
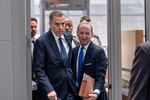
(67, 27)
(84, 35)
(33, 28)
(60, 26)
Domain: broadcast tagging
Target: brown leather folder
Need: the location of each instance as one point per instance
(87, 86)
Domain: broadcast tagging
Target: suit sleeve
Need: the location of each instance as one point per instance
(101, 63)
(140, 75)
(39, 67)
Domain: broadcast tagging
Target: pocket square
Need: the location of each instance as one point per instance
(88, 64)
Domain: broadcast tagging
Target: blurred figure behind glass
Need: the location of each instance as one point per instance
(33, 39)
(69, 29)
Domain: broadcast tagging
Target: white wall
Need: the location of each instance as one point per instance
(13, 84)
(6, 70)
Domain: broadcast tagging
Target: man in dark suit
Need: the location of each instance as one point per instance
(33, 39)
(52, 61)
(94, 62)
(69, 29)
(139, 88)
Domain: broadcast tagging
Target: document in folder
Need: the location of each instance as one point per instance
(87, 86)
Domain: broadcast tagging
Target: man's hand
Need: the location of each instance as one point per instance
(52, 95)
(91, 97)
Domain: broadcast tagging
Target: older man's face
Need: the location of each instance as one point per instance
(69, 26)
(84, 33)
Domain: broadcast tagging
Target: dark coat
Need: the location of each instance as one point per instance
(51, 71)
(139, 88)
(94, 64)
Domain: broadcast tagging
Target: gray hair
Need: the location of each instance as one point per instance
(55, 13)
(87, 24)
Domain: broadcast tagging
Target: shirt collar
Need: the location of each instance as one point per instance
(85, 46)
(35, 37)
(57, 37)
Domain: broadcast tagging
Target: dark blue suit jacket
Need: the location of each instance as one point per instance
(94, 64)
(51, 71)
(139, 87)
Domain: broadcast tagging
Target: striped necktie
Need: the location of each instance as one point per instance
(63, 52)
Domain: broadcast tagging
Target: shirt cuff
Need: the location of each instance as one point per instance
(97, 91)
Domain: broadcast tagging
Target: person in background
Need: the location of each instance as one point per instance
(33, 39)
(90, 59)
(85, 19)
(34, 35)
(139, 86)
(69, 29)
(69, 25)
(52, 61)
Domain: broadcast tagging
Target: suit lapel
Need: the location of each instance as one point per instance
(55, 48)
(88, 59)
(53, 44)
(68, 38)
(75, 59)
(88, 53)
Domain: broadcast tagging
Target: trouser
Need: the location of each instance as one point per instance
(34, 95)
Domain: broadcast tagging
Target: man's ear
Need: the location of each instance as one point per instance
(49, 23)
(77, 34)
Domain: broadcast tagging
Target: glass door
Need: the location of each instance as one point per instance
(132, 34)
